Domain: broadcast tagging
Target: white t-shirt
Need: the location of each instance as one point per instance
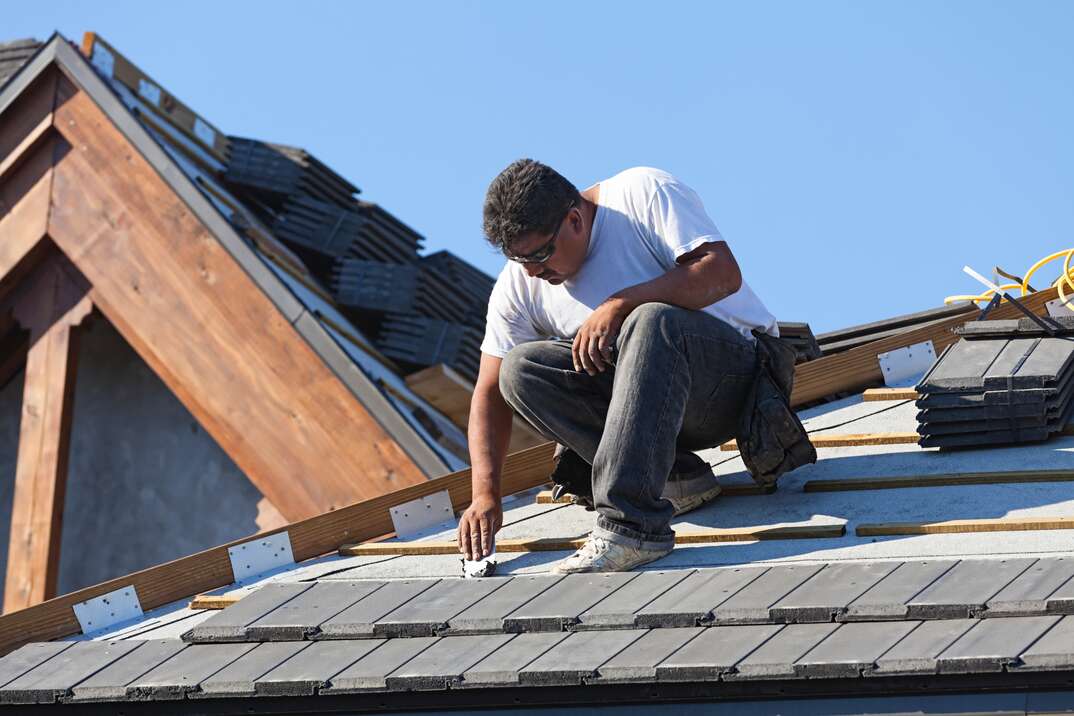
(645, 220)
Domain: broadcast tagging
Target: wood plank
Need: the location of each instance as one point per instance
(211, 334)
(891, 482)
(51, 306)
(848, 440)
(554, 544)
(874, 394)
(1000, 524)
(450, 393)
(210, 601)
(211, 569)
(858, 368)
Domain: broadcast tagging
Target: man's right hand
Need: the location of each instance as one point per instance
(478, 527)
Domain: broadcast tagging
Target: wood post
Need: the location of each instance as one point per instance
(51, 306)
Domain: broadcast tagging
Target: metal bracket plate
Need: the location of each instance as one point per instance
(264, 554)
(108, 609)
(419, 515)
(1056, 308)
(903, 367)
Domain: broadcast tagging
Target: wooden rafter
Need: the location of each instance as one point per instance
(51, 304)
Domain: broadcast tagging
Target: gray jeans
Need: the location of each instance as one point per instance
(679, 383)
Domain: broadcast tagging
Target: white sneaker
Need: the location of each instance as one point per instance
(601, 555)
(687, 503)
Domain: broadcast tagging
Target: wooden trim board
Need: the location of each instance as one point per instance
(875, 394)
(849, 440)
(312, 537)
(552, 544)
(968, 478)
(1002, 524)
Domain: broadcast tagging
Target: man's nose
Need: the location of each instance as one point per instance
(533, 269)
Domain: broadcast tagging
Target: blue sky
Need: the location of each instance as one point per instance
(854, 154)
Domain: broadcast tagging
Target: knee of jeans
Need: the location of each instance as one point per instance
(648, 318)
(513, 372)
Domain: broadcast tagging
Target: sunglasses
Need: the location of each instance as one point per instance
(544, 253)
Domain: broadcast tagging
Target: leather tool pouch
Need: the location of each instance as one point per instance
(771, 438)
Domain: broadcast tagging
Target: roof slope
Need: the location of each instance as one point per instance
(910, 613)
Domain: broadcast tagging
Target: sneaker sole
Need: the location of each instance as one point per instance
(688, 504)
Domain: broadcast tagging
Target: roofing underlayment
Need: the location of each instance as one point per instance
(881, 601)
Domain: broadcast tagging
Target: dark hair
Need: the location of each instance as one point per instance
(525, 197)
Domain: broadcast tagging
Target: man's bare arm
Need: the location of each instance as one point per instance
(489, 434)
(701, 278)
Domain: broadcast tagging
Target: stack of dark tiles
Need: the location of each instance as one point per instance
(285, 171)
(13, 55)
(374, 285)
(474, 285)
(1003, 382)
(421, 340)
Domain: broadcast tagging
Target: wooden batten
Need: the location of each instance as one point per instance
(450, 393)
(51, 305)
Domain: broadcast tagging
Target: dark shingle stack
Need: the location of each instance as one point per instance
(1003, 382)
(13, 55)
(285, 171)
(427, 341)
(423, 310)
(360, 230)
(375, 286)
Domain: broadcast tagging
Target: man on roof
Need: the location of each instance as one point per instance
(621, 328)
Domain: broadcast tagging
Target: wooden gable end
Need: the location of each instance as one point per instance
(71, 180)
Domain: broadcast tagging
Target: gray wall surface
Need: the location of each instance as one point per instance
(146, 483)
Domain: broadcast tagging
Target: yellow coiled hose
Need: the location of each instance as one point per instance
(1066, 279)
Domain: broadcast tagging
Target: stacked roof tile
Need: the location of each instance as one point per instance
(1003, 382)
(14, 54)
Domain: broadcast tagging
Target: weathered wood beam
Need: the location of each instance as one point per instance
(51, 305)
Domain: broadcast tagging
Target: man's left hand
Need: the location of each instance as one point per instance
(594, 345)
